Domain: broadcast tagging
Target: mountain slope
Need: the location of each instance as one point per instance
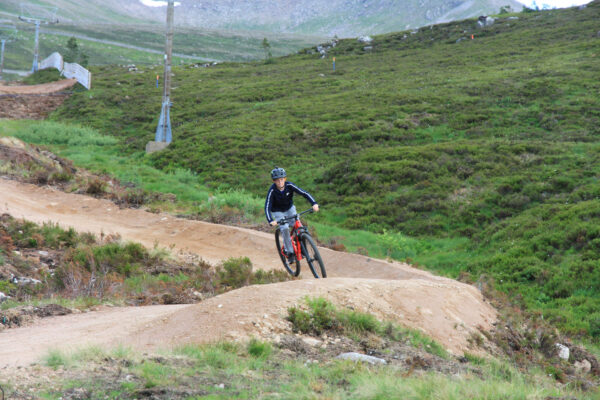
(344, 18)
(489, 143)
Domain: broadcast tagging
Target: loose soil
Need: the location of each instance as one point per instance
(449, 311)
(33, 101)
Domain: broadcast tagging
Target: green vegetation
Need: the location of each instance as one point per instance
(482, 153)
(86, 270)
(43, 76)
(143, 45)
(228, 370)
(322, 316)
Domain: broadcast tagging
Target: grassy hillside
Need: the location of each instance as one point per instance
(490, 143)
(108, 45)
(346, 18)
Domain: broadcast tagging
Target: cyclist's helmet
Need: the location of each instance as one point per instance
(277, 173)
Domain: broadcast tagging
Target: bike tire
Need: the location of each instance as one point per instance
(312, 256)
(293, 269)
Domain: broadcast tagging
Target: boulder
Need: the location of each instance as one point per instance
(583, 366)
(484, 21)
(362, 358)
(365, 39)
(563, 351)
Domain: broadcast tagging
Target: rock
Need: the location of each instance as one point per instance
(583, 366)
(563, 351)
(512, 18)
(368, 48)
(311, 341)
(484, 21)
(43, 253)
(583, 7)
(3, 297)
(361, 357)
(460, 39)
(365, 39)
(22, 280)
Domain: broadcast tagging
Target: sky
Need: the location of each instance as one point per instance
(153, 3)
(555, 3)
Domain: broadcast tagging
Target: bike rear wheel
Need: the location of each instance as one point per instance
(294, 268)
(312, 256)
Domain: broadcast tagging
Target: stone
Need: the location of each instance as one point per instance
(361, 357)
(311, 341)
(563, 351)
(153, 146)
(583, 366)
(484, 21)
(368, 48)
(365, 39)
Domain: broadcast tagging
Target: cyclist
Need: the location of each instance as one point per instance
(280, 204)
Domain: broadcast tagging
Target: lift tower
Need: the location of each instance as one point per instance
(37, 15)
(8, 33)
(163, 130)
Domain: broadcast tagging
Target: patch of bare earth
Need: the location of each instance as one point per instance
(33, 101)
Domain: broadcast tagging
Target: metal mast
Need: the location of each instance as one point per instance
(37, 15)
(7, 34)
(163, 130)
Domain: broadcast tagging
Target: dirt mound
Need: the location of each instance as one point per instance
(448, 312)
(33, 101)
(28, 162)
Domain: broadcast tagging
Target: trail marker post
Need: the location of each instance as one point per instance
(37, 15)
(333, 64)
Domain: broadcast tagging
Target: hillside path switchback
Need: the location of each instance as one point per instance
(447, 310)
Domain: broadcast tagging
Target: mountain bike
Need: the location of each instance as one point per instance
(304, 247)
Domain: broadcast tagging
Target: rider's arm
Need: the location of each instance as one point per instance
(268, 204)
(303, 193)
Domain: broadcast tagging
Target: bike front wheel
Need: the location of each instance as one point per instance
(293, 268)
(312, 256)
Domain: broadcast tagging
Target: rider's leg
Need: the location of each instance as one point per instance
(285, 229)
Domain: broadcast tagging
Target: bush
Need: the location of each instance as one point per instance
(259, 349)
(235, 272)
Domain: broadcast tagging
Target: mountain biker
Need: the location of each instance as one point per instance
(280, 204)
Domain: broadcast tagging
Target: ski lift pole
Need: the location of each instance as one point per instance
(36, 47)
(2, 58)
(163, 130)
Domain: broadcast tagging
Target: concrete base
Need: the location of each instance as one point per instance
(151, 147)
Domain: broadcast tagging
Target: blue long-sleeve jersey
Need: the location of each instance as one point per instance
(282, 200)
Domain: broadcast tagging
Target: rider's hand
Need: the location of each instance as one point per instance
(273, 223)
(316, 208)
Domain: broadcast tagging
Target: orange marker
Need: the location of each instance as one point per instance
(472, 37)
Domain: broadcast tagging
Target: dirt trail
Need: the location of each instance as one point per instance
(45, 88)
(32, 101)
(443, 308)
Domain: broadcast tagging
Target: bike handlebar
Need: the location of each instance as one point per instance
(293, 218)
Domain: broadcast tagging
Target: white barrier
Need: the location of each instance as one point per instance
(55, 60)
(83, 76)
(68, 70)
